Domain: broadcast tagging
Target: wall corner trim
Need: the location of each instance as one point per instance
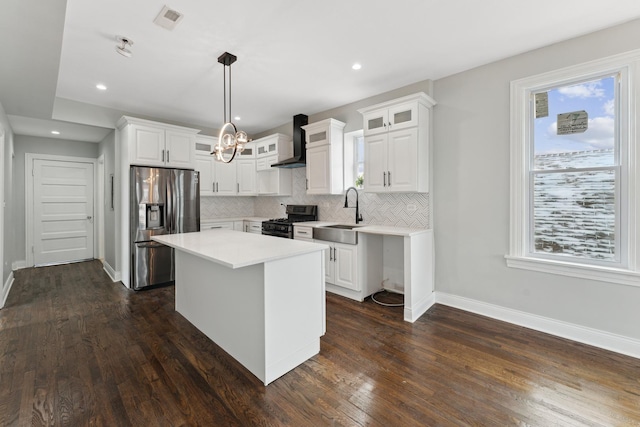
(113, 274)
(6, 288)
(18, 265)
(594, 337)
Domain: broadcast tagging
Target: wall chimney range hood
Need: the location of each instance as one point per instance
(299, 145)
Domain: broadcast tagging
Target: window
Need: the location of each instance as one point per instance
(359, 163)
(354, 159)
(573, 171)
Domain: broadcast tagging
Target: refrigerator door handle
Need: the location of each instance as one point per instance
(169, 207)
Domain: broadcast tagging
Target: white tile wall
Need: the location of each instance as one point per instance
(378, 209)
(226, 207)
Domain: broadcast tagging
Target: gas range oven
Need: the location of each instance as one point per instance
(283, 227)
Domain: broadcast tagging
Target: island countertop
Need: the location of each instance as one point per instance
(235, 249)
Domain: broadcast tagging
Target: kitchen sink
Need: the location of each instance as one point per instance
(343, 226)
(339, 233)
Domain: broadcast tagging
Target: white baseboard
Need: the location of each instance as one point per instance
(411, 315)
(6, 287)
(585, 335)
(114, 275)
(18, 265)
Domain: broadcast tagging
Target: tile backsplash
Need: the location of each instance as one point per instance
(395, 209)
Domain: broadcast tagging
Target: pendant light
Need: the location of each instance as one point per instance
(230, 141)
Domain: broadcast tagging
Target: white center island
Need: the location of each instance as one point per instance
(260, 298)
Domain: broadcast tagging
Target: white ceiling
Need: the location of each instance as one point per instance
(294, 56)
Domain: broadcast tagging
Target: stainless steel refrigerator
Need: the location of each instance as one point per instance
(163, 201)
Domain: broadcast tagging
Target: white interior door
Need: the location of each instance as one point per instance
(63, 214)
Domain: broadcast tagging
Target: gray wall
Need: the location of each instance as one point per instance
(348, 114)
(471, 194)
(107, 149)
(33, 144)
(10, 237)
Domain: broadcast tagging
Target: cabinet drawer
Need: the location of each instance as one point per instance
(227, 225)
(253, 227)
(302, 232)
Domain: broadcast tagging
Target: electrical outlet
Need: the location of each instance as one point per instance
(411, 208)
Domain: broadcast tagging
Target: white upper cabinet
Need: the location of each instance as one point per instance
(269, 150)
(397, 136)
(216, 178)
(158, 144)
(325, 157)
(276, 144)
(246, 177)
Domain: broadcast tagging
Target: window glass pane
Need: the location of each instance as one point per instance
(572, 120)
(359, 164)
(574, 214)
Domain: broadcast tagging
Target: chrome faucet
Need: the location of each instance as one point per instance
(346, 203)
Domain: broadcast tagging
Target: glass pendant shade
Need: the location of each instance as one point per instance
(230, 140)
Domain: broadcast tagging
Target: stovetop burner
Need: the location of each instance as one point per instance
(282, 227)
(279, 220)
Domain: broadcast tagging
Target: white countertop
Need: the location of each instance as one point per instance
(235, 249)
(373, 229)
(239, 218)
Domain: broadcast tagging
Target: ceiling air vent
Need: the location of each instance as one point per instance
(168, 18)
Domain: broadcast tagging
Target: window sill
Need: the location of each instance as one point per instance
(603, 274)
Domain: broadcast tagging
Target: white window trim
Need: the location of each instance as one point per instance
(521, 91)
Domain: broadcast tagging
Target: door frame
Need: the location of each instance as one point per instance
(28, 198)
(99, 218)
(2, 212)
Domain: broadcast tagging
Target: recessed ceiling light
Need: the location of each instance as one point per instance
(356, 66)
(237, 118)
(55, 132)
(100, 86)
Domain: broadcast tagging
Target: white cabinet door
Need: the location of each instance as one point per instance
(329, 265)
(403, 116)
(204, 165)
(375, 163)
(147, 146)
(318, 170)
(376, 122)
(345, 259)
(225, 178)
(246, 176)
(180, 149)
(402, 166)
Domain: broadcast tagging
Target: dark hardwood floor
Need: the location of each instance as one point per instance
(76, 349)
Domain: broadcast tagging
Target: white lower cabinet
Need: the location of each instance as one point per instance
(303, 232)
(341, 265)
(238, 225)
(227, 225)
(254, 227)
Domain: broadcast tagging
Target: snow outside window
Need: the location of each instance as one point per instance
(573, 172)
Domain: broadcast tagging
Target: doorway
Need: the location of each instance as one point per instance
(60, 197)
